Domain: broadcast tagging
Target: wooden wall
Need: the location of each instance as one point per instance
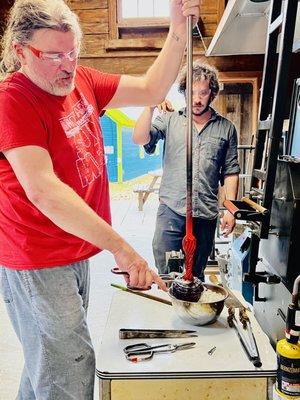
(4, 8)
(133, 51)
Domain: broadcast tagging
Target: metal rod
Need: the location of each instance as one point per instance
(296, 292)
(189, 241)
(148, 296)
(201, 37)
(252, 341)
(244, 342)
(189, 105)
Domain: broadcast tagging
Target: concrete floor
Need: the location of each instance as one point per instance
(137, 227)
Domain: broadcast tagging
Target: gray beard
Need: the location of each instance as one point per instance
(49, 87)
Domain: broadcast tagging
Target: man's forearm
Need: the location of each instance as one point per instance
(141, 133)
(231, 186)
(66, 209)
(151, 88)
(163, 72)
(161, 75)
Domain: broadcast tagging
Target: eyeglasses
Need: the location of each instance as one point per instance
(56, 58)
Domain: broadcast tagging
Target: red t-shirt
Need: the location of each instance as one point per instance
(68, 128)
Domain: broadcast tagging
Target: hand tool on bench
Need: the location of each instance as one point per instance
(249, 345)
(137, 293)
(142, 351)
(247, 325)
(155, 333)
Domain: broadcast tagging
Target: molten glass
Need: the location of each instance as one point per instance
(186, 290)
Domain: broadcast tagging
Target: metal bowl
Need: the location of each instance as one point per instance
(200, 313)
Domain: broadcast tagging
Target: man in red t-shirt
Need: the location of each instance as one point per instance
(54, 204)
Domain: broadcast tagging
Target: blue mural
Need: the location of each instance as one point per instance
(125, 160)
(110, 143)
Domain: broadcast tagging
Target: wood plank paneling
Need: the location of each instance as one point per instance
(138, 65)
(209, 7)
(143, 34)
(221, 8)
(209, 30)
(209, 18)
(138, 48)
(210, 15)
(246, 123)
(87, 4)
(98, 20)
(233, 109)
(93, 21)
(144, 44)
(133, 44)
(145, 22)
(98, 46)
(4, 10)
(93, 45)
(112, 20)
(125, 65)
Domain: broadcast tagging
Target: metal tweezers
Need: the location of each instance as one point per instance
(155, 333)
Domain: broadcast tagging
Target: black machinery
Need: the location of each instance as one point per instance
(280, 254)
(272, 210)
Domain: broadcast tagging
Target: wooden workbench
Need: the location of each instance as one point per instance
(191, 374)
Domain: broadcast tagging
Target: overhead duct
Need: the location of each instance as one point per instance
(242, 29)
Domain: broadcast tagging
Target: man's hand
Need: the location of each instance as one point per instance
(180, 9)
(140, 275)
(227, 223)
(165, 106)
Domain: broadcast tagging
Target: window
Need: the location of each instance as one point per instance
(143, 9)
(137, 24)
(143, 24)
(128, 18)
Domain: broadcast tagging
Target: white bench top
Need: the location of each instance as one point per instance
(228, 360)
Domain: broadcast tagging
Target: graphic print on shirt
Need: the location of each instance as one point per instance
(86, 141)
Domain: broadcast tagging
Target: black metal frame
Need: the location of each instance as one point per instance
(270, 125)
(271, 116)
(293, 114)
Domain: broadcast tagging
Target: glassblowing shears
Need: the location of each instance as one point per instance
(142, 351)
(118, 271)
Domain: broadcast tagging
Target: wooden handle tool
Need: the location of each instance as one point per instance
(147, 296)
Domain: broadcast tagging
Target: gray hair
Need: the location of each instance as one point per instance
(200, 71)
(27, 16)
